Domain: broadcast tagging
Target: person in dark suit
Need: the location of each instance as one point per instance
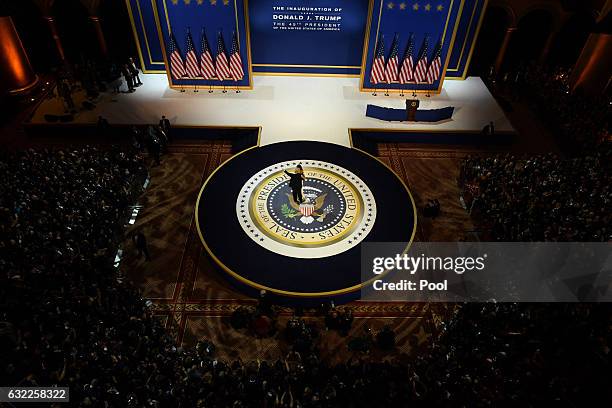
(140, 241)
(295, 182)
(164, 124)
(134, 71)
(102, 126)
(489, 129)
(125, 71)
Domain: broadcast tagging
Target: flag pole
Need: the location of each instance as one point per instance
(189, 35)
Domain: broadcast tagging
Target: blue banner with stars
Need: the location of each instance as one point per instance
(219, 20)
(431, 24)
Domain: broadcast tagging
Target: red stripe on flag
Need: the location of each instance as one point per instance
(434, 70)
(191, 64)
(207, 66)
(236, 67)
(406, 74)
(378, 70)
(176, 65)
(391, 71)
(421, 70)
(222, 67)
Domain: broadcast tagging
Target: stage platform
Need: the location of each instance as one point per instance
(253, 228)
(289, 108)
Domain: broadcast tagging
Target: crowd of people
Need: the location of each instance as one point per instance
(541, 198)
(153, 139)
(94, 78)
(130, 73)
(508, 354)
(62, 303)
(68, 317)
(580, 122)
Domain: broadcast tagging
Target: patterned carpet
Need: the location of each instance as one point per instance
(194, 301)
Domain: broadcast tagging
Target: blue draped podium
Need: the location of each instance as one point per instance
(399, 115)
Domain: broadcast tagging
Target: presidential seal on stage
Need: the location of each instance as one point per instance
(336, 212)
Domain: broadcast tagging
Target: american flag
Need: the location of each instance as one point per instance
(207, 67)
(420, 72)
(191, 59)
(177, 67)
(221, 62)
(235, 60)
(433, 73)
(407, 72)
(378, 65)
(392, 68)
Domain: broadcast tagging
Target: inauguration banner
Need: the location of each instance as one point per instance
(408, 44)
(205, 43)
(322, 37)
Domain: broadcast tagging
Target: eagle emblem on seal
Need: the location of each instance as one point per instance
(310, 210)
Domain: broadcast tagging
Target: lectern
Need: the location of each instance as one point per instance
(411, 107)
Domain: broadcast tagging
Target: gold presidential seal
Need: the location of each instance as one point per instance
(335, 212)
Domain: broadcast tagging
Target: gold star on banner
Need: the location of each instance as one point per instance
(213, 2)
(440, 7)
(200, 2)
(427, 7)
(225, 2)
(402, 6)
(415, 6)
(390, 5)
(187, 2)
(175, 2)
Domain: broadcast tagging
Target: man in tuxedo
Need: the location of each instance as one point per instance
(129, 79)
(296, 180)
(164, 124)
(134, 71)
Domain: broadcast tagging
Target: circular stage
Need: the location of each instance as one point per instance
(265, 236)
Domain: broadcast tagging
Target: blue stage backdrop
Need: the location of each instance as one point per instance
(430, 25)
(465, 40)
(308, 36)
(145, 33)
(219, 20)
(321, 37)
